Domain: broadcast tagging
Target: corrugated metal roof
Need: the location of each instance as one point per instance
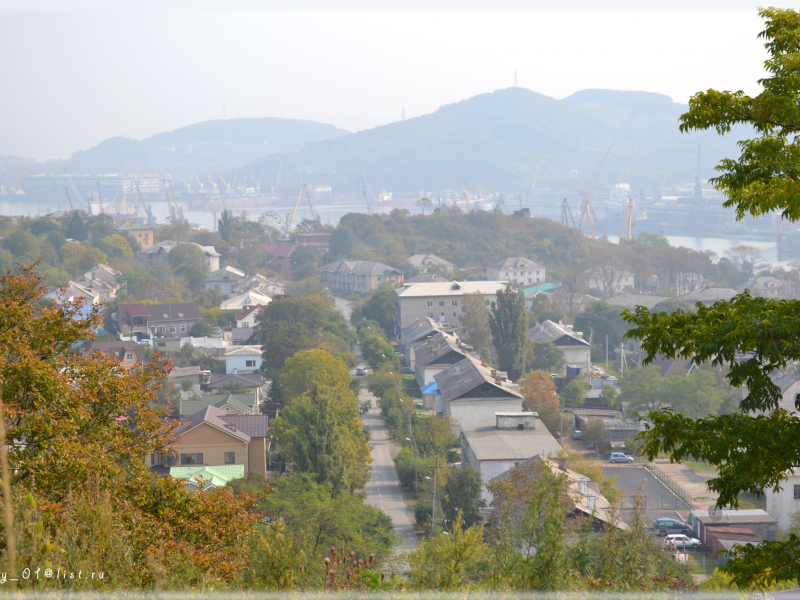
(212, 476)
(440, 346)
(213, 416)
(450, 288)
(359, 267)
(487, 442)
(420, 260)
(552, 332)
(418, 330)
(243, 351)
(465, 376)
(542, 287)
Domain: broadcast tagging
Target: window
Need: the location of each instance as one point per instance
(250, 363)
(430, 304)
(129, 356)
(441, 302)
(230, 458)
(172, 328)
(454, 315)
(195, 458)
(455, 302)
(430, 315)
(160, 329)
(183, 328)
(797, 492)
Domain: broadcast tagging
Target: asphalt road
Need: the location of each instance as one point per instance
(384, 488)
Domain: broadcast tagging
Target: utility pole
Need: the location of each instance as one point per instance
(414, 448)
(433, 514)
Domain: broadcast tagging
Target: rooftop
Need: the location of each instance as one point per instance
(249, 298)
(450, 288)
(212, 477)
(423, 260)
(631, 301)
(241, 402)
(517, 262)
(359, 267)
(243, 351)
(708, 295)
(487, 442)
(553, 332)
(466, 375)
(279, 250)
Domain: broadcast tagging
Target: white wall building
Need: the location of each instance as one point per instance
(519, 271)
(781, 505)
(441, 300)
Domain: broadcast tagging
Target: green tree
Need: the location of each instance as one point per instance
(76, 258)
(463, 494)
(315, 521)
(753, 453)
(20, 243)
(188, 261)
(608, 396)
(604, 320)
(424, 203)
(543, 355)
(225, 225)
(544, 309)
(449, 561)
(377, 351)
(75, 228)
(474, 318)
(696, 395)
(597, 436)
(509, 324)
(644, 389)
(115, 245)
(322, 435)
(573, 394)
(382, 308)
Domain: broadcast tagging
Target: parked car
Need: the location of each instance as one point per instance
(577, 435)
(620, 457)
(682, 539)
(145, 342)
(408, 371)
(663, 526)
(361, 372)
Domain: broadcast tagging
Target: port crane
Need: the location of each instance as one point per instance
(367, 193)
(175, 202)
(290, 222)
(627, 221)
(187, 184)
(533, 186)
(71, 207)
(663, 182)
(200, 183)
(210, 209)
(566, 214)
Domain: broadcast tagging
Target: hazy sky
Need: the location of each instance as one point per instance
(75, 73)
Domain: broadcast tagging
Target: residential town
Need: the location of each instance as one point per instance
(516, 345)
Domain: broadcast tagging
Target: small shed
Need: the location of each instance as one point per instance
(724, 538)
(758, 521)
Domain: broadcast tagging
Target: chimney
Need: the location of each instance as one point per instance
(592, 500)
(484, 362)
(562, 464)
(498, 381)
(582, 486)
(494, 373)
(516, 464)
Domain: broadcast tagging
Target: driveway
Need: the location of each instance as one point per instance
(383, 488)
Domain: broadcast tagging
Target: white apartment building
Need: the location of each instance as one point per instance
(519, 271)
(441, 300)
(781, 505)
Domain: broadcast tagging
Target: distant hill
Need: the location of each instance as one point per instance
(495, 142)
(219, 145)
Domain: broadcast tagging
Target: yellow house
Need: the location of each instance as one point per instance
(212, 437)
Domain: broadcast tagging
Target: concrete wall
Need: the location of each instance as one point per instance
(412, 308)
(781, 504)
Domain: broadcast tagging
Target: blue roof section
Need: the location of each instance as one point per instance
(431, 388)
(542, 287)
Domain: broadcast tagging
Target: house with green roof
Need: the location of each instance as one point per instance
(235, 404)
(207, 477)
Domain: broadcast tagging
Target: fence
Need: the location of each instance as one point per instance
(668, 481)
